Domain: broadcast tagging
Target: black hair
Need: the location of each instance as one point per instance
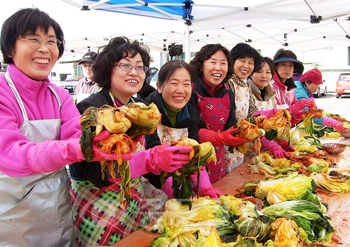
(168, 69)
(117, 49)
(298, 66)
(262, 61)
(23, 22)
(284, 53)
(242, 50)
(205, 53)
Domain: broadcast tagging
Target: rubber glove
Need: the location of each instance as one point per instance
(267, 113)
(167, 187)
(333, 123)
(300, 107)
(286, 145)
(205, 187)
(222, 138)
(99, 155)
(159, 158)
(274, 148)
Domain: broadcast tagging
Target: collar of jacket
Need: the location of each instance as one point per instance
(211, 88)
(289, 83)
(269, 92)
(27, 87)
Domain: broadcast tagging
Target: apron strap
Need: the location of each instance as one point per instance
(57, 97)
(18, 97)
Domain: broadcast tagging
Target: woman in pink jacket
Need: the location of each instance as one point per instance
(40, 134)
(40, 130)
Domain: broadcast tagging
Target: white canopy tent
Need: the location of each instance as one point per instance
(302, 24)
(262, 23)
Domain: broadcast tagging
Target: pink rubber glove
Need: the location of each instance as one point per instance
(298, 109)
(333, 123)
(205, 187)
(167, 187)
(286, 145)
(223, 138)
(160, 158)
(267, 113)
(99, 155)
(274, 148)
(300, 106)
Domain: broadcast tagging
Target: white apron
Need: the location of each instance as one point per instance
(156, 198)
(284, 106)
(36, 210)
(264, 105)
(168, 134)
(242, 94)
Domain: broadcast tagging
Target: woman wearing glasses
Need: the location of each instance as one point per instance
(101, 217)
(40, 133)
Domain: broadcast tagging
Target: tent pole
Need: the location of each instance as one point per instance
(187, 45)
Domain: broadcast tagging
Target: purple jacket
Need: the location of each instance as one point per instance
(20, 157)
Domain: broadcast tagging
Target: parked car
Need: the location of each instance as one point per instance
(154, 80)
(342, 86)
(153, 71)
(321, 91)
(70, 85)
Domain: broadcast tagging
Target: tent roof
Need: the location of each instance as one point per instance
(262, 23)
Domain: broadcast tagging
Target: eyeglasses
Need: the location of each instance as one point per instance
(128, 67)
(36, 43)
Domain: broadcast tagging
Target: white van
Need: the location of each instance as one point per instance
(55, 77)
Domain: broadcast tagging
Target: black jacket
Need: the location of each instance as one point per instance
(188, 118)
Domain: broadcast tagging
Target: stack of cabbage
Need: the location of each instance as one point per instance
(292, 216)
(270, 167)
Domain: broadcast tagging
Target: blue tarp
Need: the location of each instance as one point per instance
(165, 9)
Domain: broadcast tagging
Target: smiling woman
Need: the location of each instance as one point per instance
(119, 78)
(180, 120)
(40, 126)
(120, 70)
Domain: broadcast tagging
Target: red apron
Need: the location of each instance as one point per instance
(215, 112)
